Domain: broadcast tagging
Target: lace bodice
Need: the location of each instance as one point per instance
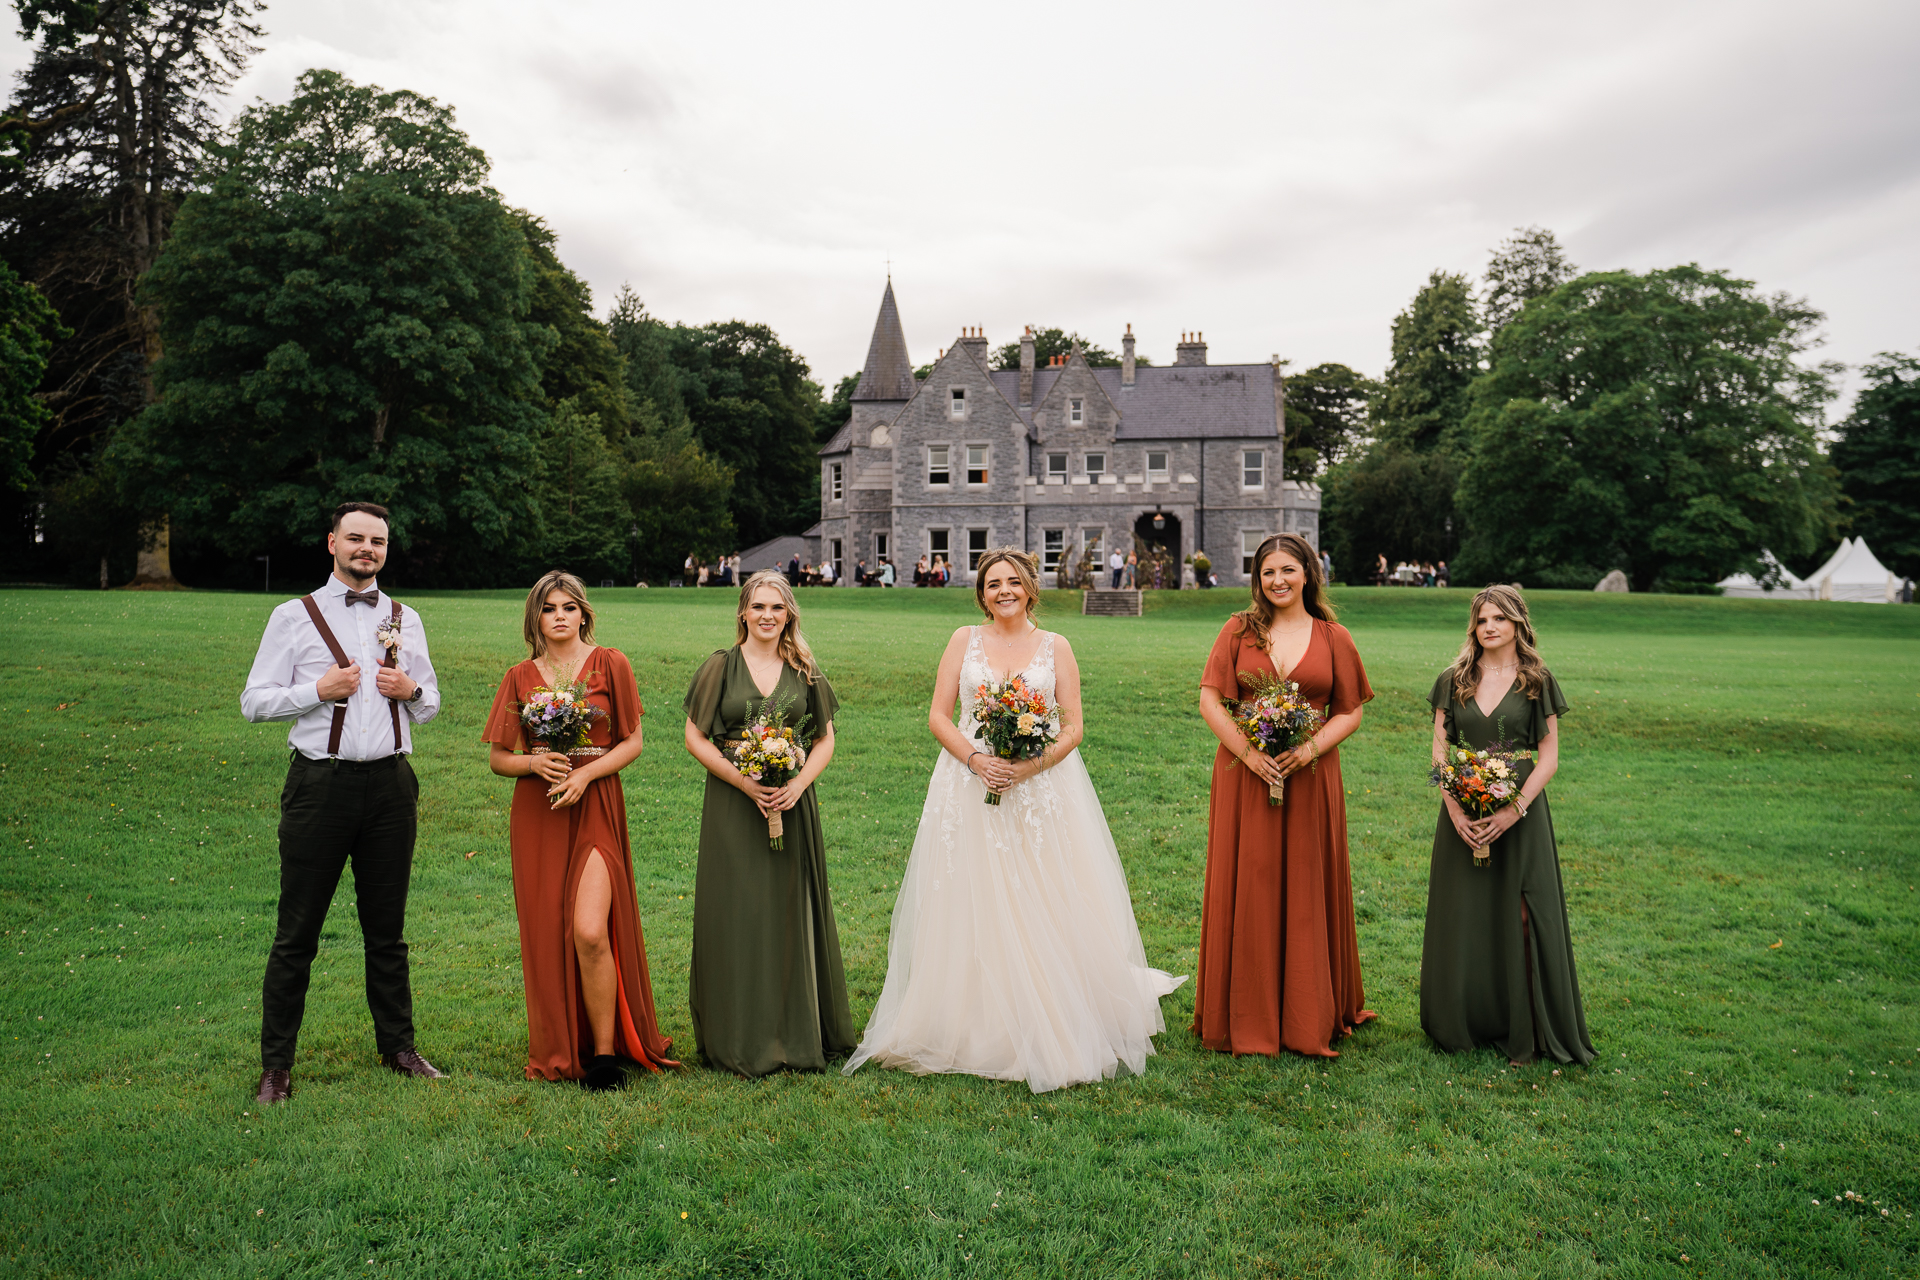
(976, 670)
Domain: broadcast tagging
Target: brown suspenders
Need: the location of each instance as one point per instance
(340, 658)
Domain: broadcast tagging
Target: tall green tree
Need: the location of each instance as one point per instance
(752, 407)
(1326, 418)
(1437, 353)
(345, 313)
(653, 384)
(28, 329)
(680, 499)
(1528, 264)
(836, 409)
(1878, 457)
(107, 129)
(1390, 502)
(584, 365)
(1662, 423)
(584, 516)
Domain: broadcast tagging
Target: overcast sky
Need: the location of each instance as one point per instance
(1281, 176)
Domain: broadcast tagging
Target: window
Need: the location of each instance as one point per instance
(880, 543)
(938, 544)
(1057, 467)
(976, 464)
(1090, 539)
(976, 547)
(1076, 412)
(957, 402)
(1096, 464)
(1052, 546)
(937, 466)
(1250, 541)
(1253, 469)
(835, 484)
(834, 554)
(1156, 465)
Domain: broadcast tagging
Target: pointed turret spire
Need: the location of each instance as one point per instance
(889, 371)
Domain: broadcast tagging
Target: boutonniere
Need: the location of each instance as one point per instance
(388, 634)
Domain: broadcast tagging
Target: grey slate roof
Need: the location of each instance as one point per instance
(889, 371)
(1175, 402)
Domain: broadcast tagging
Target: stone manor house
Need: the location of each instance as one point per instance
(1058, 460)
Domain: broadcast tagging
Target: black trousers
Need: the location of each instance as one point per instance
(332, 814)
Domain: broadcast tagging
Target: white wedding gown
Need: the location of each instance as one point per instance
(1014, 954)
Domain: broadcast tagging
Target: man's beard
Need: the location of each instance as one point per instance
(352, 569)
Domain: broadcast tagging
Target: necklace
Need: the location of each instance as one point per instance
(1494, 671)
(1013, 640)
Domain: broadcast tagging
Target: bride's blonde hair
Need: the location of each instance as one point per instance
(792, 645)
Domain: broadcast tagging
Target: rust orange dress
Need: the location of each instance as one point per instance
(550, 849)
(1279, 958)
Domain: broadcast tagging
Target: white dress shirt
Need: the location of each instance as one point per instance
(284, 682)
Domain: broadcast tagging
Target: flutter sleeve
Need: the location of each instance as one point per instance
(1350, 687)
(623, 691)
(822, 705)
(1441, 699)
(503, 721)
(703, 695)
(1551, 702)
(1222, 674)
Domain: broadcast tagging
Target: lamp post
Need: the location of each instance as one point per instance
(266, 574)
(633, 553)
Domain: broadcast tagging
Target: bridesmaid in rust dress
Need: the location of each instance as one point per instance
(1279, 959)
(589, 999)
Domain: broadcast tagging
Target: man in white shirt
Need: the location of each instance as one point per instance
(1117, 563)
(350, 795)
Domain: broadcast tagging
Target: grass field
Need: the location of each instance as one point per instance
(1737, 811)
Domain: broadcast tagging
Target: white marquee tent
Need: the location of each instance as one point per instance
(1852, 573)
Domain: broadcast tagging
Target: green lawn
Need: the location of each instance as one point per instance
(1738, 814)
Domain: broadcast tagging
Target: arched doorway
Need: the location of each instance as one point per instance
(1156, 540)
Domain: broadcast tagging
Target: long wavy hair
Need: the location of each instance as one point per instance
(792, 644)
(1532, 672)
(1026, 567)
(1258, 617)
(551, 581)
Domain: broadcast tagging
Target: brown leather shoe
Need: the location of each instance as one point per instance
(276, 1085)
(408, 1062)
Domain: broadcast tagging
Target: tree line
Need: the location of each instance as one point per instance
(1550, 425)
(211, 334)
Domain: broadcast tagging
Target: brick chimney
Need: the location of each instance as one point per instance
(1126, 358)
(1192, 349)
(975, 341)
(1026, 366)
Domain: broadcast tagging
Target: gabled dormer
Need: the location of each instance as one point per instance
(959, 439)
(1074, 423)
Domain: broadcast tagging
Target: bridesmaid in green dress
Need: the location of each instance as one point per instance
(1497, 965)
(766, 985)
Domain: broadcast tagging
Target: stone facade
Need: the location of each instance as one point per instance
(1056, 459)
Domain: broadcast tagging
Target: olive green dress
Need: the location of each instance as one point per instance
(1485, 977)
(766, 985)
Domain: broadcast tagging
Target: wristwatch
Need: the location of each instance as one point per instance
(418, 690)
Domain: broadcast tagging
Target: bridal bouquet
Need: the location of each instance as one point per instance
(1015, 721)
(771, 753)
(1276, 719)
(1481, 782)
(559, 718)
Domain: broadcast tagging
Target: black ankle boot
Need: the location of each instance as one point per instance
(603, 1074)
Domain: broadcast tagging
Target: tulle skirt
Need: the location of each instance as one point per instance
(1014, 953)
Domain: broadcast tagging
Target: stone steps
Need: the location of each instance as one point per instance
(1110, 604)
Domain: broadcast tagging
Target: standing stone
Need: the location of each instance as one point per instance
(1615, 581)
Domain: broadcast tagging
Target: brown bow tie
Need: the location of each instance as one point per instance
(363, 597)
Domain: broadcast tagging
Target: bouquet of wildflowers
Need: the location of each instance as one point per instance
(1276, 719)
(1481, 782)
(771, 753)
(559, 717)
(1015, 721)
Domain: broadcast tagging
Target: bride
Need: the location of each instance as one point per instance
(1014, 954)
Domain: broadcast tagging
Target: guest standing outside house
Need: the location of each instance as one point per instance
(350, 795)
(1380, 571)
(1132, 576)
(1326, 568)
(793, 570)
(1279, 957)
(1118, 564)
(886, 573)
